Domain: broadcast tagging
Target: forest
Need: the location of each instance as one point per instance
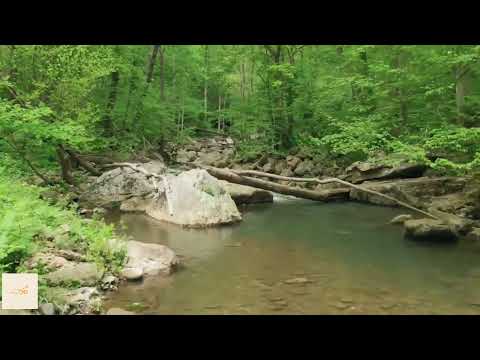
(63, 106)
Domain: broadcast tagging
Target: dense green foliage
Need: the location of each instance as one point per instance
(27, 221)
(343, 102)
(340, 103)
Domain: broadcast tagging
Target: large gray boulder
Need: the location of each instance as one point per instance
(246, 194)
(209, 158)
(149, 259)
(429, 230)
(304, 168)
(186, 155)
(194, 199)
(359, 172)
(293, 161)
(114, 186)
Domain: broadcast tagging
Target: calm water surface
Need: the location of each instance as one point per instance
(303, 257)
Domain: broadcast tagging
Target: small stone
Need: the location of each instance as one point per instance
(132, 273)
(276, 299)
(109, 279)
(400, 219)
(234, 245)
(387, 306)
(47, 309)
(298, 280)
(118, 311)
(341, 306)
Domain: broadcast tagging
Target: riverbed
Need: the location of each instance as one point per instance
(303, 257)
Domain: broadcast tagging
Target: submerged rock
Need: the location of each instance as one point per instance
(242, 194)
(429, 230)
(458, 224)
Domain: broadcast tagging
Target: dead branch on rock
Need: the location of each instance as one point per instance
(336, 180)
(244, 177)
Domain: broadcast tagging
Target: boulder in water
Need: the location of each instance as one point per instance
(151, 259)
(195, 199)
(429, 230)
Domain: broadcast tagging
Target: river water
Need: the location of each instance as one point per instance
(303, 257)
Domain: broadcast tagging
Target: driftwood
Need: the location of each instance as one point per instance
(83, 163)
(244, 177)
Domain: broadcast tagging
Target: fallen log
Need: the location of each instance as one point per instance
(83, 163)
(330, 180)
(233, 177)
(243, 177)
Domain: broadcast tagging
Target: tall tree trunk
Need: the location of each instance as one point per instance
(65, 165)
(112, 99)
(403, 108)
(205, 86)
(219, 117)
(162, 73)
(148, 80)
(462, 89)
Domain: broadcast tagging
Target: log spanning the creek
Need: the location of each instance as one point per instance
(245, 177)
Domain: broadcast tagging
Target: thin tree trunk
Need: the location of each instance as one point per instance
(162, 73)
(148, 80)
(83, 163)
(219, 118)
(65, 166)
(462, 89)
(205, 86)
(112, 99)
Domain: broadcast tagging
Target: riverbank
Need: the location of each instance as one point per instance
(76, 284)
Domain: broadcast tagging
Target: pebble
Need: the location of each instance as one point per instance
(341, 306)
(132, 273)
(298, 280)
(387, 306)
